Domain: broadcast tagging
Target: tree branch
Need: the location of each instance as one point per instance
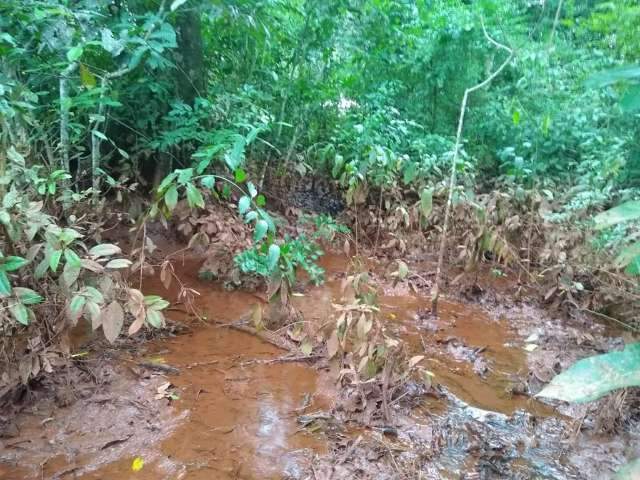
(435, 292)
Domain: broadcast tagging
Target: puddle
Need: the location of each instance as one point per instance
(242, 414)
(237, 411)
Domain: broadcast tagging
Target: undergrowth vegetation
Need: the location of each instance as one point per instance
(122, 112)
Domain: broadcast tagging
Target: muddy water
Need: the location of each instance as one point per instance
(242, 410)
(239, 407)
(241, 421)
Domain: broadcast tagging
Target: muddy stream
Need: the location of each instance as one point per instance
(234, 410)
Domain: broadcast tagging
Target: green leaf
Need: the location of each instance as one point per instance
(208, 181)
(194, 197)
(70, 273)
(622, 213)
(261, 201)
(86, 77)
(155, 318)
(630, 471)
(155, 302)
(5, 286)
(75, 307)
(13, 263)
(176, 4)
(28, 296)
(171, 197)
(94, 294)
(243, 204)
(614, 75)
(515, 117)
(593, 377)
(240, 175)
(253, 191)
(20, 313)
(74, 53)
(273, 256)
(426, 202)
(627, 255)
(410, 173)
(630, 101)
(54, 260)
(250, 216)
(72, 258)
(41, 269)
(104, 250)
(119, 263)
(260, 231)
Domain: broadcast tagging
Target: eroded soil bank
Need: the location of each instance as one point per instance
(214, 402)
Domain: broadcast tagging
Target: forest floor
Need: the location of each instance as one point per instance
(204, 400)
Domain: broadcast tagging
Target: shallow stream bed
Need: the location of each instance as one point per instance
(231, 411)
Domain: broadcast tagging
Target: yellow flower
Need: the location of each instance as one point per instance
(137, 464)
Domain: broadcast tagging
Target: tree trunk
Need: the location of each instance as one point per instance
(191, 74)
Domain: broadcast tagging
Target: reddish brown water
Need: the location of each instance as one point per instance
(239, 414)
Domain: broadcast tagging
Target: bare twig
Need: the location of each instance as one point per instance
(435, 292)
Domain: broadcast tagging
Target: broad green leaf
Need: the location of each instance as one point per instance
(119, 263)
(593, 377)
(208, 181)
(260, 231)
(75, 307)
(94, 294)
(250, 216)
(630, 471)
(630, 101)
(20, 313)
(27, 296)
(104, 249)
(410, 172)
(171, 197)
(155, 302)
(41, 269)
(273, 256)
(70, 273)
(261, 201)
(74, 53)
(72, 258)
(240, 175)
(243, 204)
(155, 318)
(99, 134)
(614, 75)
(86, 77)
(634, 267)
(54, 260)
(627, 255)
(93, 310)
(13, 263)
(253, 191)
(426, 202)
(622, 213)
(68, 235)
(5, 286)
(194, 197)
(516, 117)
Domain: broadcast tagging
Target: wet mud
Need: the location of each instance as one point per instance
(222, 405)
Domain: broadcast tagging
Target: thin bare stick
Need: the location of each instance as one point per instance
(555, 23)
(435, 292)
